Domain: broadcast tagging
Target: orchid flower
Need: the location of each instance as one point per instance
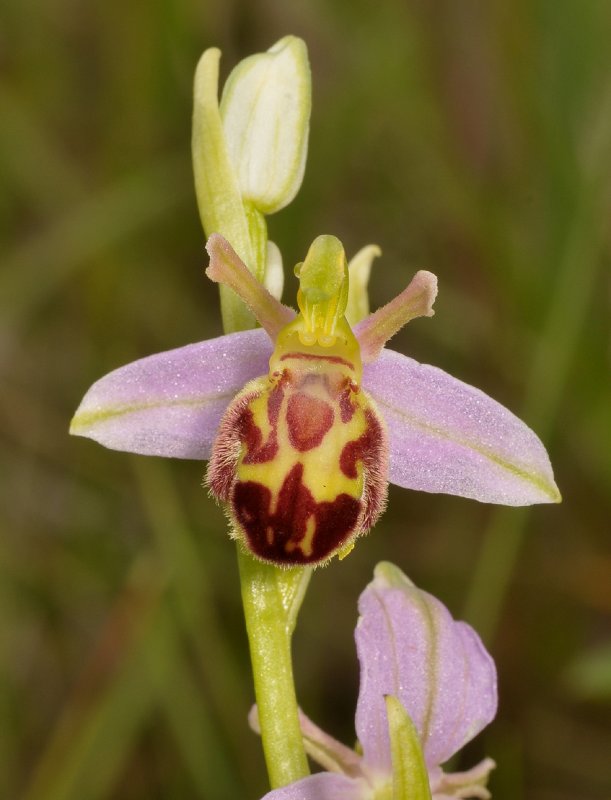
(306, 420)
(414, 659)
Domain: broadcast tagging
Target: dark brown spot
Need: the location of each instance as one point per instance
(369, 442)
(228, 446)
(277, 537)
(373, 450)
(257, 450)
(347, 404)
(274, 404)
(309, 420)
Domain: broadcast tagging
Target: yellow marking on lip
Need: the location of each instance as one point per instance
(306, 545)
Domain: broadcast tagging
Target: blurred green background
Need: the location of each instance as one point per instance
(470, 138)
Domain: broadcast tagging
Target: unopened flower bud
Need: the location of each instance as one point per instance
(265, 108)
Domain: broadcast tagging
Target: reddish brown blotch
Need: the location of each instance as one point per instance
(301, 461)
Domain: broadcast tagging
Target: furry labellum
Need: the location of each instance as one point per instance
(301, 457)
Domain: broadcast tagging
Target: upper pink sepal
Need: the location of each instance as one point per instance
(414, 301)
(170, 404)
(227, 268)
(447, 436)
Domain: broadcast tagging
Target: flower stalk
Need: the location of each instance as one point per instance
(271, 598)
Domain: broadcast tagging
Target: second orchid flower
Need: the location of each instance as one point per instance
(428, 686)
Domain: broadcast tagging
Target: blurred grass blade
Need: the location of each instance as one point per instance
(188, 715)
(37, 268)
(589, 676)
(29, 158)
(99, 723)
(138, 667)
(195, 610)
(570, 296)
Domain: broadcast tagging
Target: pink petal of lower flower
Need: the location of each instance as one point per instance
(409, 646)
(447, 436)
(471, 784)
(170, 404)
(322, 786)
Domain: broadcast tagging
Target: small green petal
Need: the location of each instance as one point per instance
(359, 269)
(391, 577)
(228, 269)
(415, 301)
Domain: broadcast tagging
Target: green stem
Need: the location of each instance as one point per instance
(271, 598)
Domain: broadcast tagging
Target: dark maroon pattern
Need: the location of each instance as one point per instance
(273, 536)
(347, 404)
(360, 448)
(258, 451)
